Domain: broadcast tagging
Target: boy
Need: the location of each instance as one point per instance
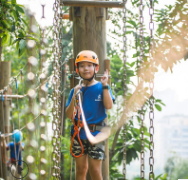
(97, 97)
(17, 146)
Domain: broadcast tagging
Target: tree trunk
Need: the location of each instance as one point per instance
(5, 72)
(111, 154)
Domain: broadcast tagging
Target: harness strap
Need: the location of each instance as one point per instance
(76, 132)
(96, 127)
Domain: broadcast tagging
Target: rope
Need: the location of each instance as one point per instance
(17, 158)
(13, 78)
(76, 132)
(24, 95)
(9, 134)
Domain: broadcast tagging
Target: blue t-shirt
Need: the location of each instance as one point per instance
(93, 106)
(12, 152)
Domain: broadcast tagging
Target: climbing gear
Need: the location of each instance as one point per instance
(77, 128)
(77, 125)
(88, 56)
(94, 127)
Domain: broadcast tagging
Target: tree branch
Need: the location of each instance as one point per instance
(111, 152)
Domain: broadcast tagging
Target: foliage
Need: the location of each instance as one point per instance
(159, 177)
(13, 27)
(133, 147)
(176, 168)
(172, 43)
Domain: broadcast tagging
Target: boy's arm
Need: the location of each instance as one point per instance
(107, 100)
(70, 109)
(20, 143)
(4, 141)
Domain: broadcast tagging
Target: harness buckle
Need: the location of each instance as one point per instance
(92, 127)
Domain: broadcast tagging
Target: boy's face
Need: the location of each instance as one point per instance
(86, 69)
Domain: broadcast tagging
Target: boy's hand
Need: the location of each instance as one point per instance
(3, 136)
(76, 89)
(104, 78)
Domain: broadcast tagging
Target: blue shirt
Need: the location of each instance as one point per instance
(93, 106)
(12, 152)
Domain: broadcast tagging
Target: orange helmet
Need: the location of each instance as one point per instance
(88, 56)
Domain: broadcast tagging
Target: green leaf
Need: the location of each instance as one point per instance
(12, 27)
(22, 46)
(18, 8)
(16, 40)
(17, 45)
(5, 38)
(159, 101)
(15, 15)
(132, 64)
(133, 23)
(33, 38)
(21, 34)
(13, 1)
(4, 23)
(158, 107)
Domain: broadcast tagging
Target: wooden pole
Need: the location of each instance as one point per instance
(99, 4)
(5, 72)
(107, 66)
(63, 119)
(89, 33)
(0, 49)
(105, 167)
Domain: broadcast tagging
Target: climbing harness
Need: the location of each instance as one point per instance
(77, 125)
(77, 128)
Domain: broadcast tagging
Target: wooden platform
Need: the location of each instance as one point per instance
(102, 4)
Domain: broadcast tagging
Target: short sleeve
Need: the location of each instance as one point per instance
(70, 97)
